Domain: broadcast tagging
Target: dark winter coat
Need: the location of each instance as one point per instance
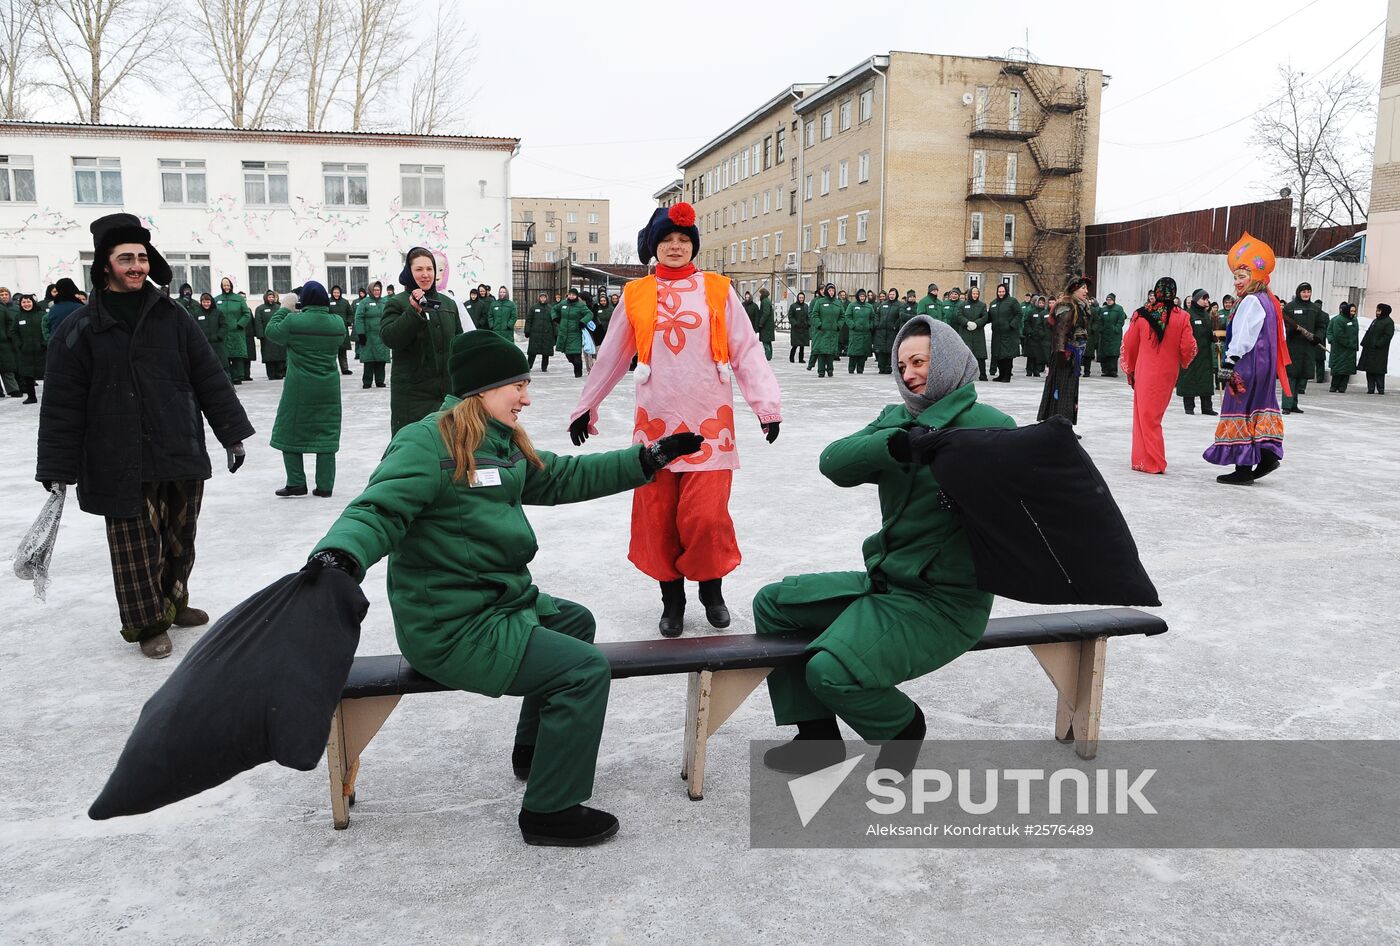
(308, 415)
(419, 342)
(1343, 342)
(799, 325)
(1036, 335)
(539, 329)
(342, 309)
(859, 323)
(888, 319)
(826, 318)
(1307, 317)
(124, 408)
(369, 321)
(1375, 346)
(478, 310)
(1110, 331)
(573, 316)
(237, 315)
(9, 350)
(31, 353)
(1005, 316)
(271, 351)
(503, 315)
(52, 319)
(214, 324)
(765, 328)
(975, 339)
(1198, 378)
(751, 309)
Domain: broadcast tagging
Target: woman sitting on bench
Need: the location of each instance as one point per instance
(445, 506)
(916, 606)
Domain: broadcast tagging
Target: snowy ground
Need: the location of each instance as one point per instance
(1281, 600)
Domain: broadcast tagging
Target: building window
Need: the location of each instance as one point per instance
(974, 233)
(768, 201)
(867, 104)
(792, 203)
(863, 167)
(777, 198)
(85, 261)
(810, 133)
(846, 115)
(842, 228)
(826, 124)
(593, 218)
(826, 181)
(743, 210)
(349, 271)
(733, 253)
(862, 226)
(843, 174)
(269, 271)
(765, 246)
(753, 206)
(757, 157)
(592, 257)
(592, 236)
(97, 180)
(550, 256)
(572, 236)
(1011, 161)
(571, 217)
(1013, 111)
(550, 236)
(182, 182)
(550, 216)
(778, 243)
(782, 145)
(528, 216)
(807, 188)
(744, 165)
(424, 187)
(979, 114)
(192, 268)
(1009, 280)
(17, 178)
(743, 251)
(1008, 231)
(806, 238)
(265, 183)
(823, 232)
(972, 281)
(346, 185)
(979, 172)
(767, 152)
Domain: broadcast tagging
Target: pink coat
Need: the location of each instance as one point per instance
(685, 391)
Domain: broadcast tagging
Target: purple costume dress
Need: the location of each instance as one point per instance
(1251, 423)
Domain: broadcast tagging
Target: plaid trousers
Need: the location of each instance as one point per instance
(153, 555)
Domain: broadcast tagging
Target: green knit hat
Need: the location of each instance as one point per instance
(481, 360)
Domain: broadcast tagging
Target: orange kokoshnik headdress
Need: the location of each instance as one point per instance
(1254, 255)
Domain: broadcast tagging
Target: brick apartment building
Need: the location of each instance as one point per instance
(578, 226)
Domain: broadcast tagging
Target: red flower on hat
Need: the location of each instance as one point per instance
(682, 215)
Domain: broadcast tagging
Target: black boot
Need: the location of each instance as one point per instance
(902, 752)
(1267, 464)
(712, 597)
(672, 608)
(1190, 405)
(1208, 408)
(291, 491)
(817, 745)
(521, 758)
(1243, 476)
(577, 826)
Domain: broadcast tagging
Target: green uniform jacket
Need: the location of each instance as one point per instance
(419, 381)
(9, 349)
(459, 585)
(1198, 378)
(214, 324)
(1005, 316)
(189, 303)
(369, 322)
(975, 339)
(308, 415)
(751, 310)
(1375, 346)
(478, 310)
(1342, 342)
(799, 324)
(919, 562)
(602, 319)
(343, 310)
(573, 316)
(237, 318)
(1303, 354)
(947, 311)
(826, 326)
(503, 315)
(1036, 338)
(911, 309)
(860, 323)
(929, 305)
(765, 328)
(889, 316)
(1110, 335)
(271, 351)
(539, 329)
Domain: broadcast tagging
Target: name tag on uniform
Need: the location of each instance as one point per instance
(487, 478)
(23, 322)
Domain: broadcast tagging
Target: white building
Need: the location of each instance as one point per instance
(267, 208)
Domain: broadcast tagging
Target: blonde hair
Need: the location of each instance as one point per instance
(464, 427)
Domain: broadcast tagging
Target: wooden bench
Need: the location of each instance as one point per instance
(725, 669)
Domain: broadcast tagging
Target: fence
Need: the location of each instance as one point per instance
(1132, 278)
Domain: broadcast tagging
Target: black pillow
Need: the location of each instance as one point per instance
(1041, 522)
(261, 685)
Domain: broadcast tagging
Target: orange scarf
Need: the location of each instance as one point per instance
(640, 299)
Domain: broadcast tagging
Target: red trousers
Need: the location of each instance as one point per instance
(681, 526)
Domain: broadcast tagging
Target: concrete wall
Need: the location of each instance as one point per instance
(1383, 220)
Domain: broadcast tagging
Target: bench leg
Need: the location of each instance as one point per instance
(712, 698)
(1076, 669)
(352, 727)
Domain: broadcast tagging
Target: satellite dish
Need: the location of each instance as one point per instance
(1286, 192)
(967, 98)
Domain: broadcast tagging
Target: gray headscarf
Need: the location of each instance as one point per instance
(950, 365)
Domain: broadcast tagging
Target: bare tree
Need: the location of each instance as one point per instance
(242, 55)
(1310, 120)
(324, 65)
(1345, 168)
(19, 20)
(376, 44)
(97, 45)
(623, 253)
(438, 97)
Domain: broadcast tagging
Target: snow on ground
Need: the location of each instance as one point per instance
(1281, 600)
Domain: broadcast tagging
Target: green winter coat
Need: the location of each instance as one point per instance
(765, 328)
(974, 339)
(1342, 342)
(947, 311)
(1005, 316)
(463, 601)
(603, 318)
(751, 310)
(502, 315)
(1036, 339)
(9, 348)
(799, 324)
(214, 324)
(573, 316)
(343, 310)
(1375, 345)
(1198, 378)
(929, 305)
(271, 351)
(237, 318)
(369, 325)
(889, 316)
(1110, 331)
(478, 310)
(919, 565)
(308, 415)
(911, 309)
(539, 329)
(419, 380)
(826, 326)
(1302, 354)
(860, 324)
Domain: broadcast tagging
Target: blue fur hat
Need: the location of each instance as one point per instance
(665, 220)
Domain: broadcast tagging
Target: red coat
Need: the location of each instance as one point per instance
(1152, 368)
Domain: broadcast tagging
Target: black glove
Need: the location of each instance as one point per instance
(770, 429)
(578, 430)
(236, 456)
(909, 446)
(656, 457)
(360, 340)
(899, 446)
(330, 558)
(1225, 373)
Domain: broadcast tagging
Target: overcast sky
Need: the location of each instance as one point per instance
(608, 97)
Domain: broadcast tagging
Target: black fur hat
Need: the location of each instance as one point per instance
(115, 229)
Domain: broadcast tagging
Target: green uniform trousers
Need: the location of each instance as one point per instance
(882, 361)
(296, 471)
(1299, 384)
(564, 680)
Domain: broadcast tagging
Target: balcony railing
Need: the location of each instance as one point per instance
(1000, 187)
(996, 249)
